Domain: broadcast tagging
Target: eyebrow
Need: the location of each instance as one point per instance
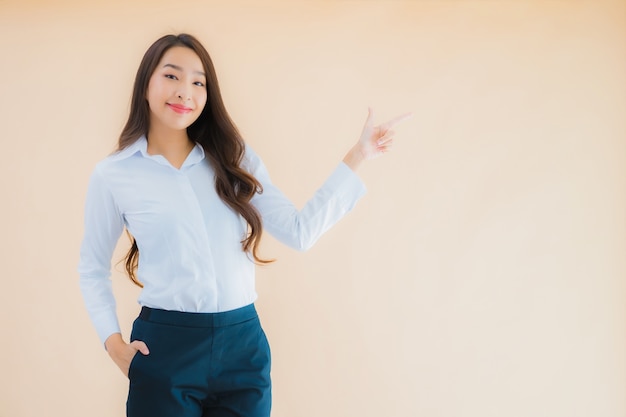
(176, 67)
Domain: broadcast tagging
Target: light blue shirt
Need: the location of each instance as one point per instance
(190, 255)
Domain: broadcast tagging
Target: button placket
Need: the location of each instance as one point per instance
(194, 209)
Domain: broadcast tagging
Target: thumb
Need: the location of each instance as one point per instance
(369, 122)
(140, 346)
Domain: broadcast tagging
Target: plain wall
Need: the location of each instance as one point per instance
(483, 274)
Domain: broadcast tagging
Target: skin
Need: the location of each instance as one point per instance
(179, 81)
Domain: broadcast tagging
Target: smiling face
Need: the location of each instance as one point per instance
(177, 90)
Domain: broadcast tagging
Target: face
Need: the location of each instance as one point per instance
(177, 90)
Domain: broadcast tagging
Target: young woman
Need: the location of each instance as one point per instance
(195, 199)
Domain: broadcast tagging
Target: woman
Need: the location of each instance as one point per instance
(195, 199)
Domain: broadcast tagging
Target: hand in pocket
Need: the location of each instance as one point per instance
(122, 353)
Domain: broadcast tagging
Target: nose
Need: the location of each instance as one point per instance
(184, 93)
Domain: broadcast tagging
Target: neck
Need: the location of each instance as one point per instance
(160, 137)
(174, 145)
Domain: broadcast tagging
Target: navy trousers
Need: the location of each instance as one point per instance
(200, 365)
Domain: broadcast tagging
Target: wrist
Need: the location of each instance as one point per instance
(113, 342)
(354, 158)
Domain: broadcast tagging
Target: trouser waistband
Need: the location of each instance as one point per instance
(180, 318)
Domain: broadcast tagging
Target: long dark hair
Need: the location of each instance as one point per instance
(213, 130)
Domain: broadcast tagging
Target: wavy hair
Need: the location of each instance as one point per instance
(213, 130)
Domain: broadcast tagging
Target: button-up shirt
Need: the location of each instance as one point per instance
(189, 240)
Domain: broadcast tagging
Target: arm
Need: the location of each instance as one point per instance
(337, 196)
(300, 229)
(103, 227)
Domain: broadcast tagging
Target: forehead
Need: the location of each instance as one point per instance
(182, 57)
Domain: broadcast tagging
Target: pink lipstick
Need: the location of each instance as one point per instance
(179, 108)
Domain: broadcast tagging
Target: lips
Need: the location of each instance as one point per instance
(179, 108)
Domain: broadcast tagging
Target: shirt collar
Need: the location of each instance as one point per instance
(141, 146)
(195, 156)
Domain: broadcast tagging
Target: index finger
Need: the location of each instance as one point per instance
(391, 123)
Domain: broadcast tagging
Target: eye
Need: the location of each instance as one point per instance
(199, 84)
(171, 76)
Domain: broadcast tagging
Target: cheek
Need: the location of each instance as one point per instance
(201, 101)
(152, 94)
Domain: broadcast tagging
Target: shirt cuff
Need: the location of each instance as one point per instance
(106, 327)
(347, 185)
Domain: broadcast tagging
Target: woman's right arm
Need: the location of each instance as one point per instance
(103, 225)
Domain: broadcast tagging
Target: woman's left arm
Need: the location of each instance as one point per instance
(300, 229)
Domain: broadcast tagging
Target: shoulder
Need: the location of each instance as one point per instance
(117, 158)
(251, 161)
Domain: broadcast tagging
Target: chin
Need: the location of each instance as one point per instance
(180, 125)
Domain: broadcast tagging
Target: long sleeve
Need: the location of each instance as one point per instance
(102, 229)
(300, 229)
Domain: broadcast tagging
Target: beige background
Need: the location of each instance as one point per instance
(483, 274)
